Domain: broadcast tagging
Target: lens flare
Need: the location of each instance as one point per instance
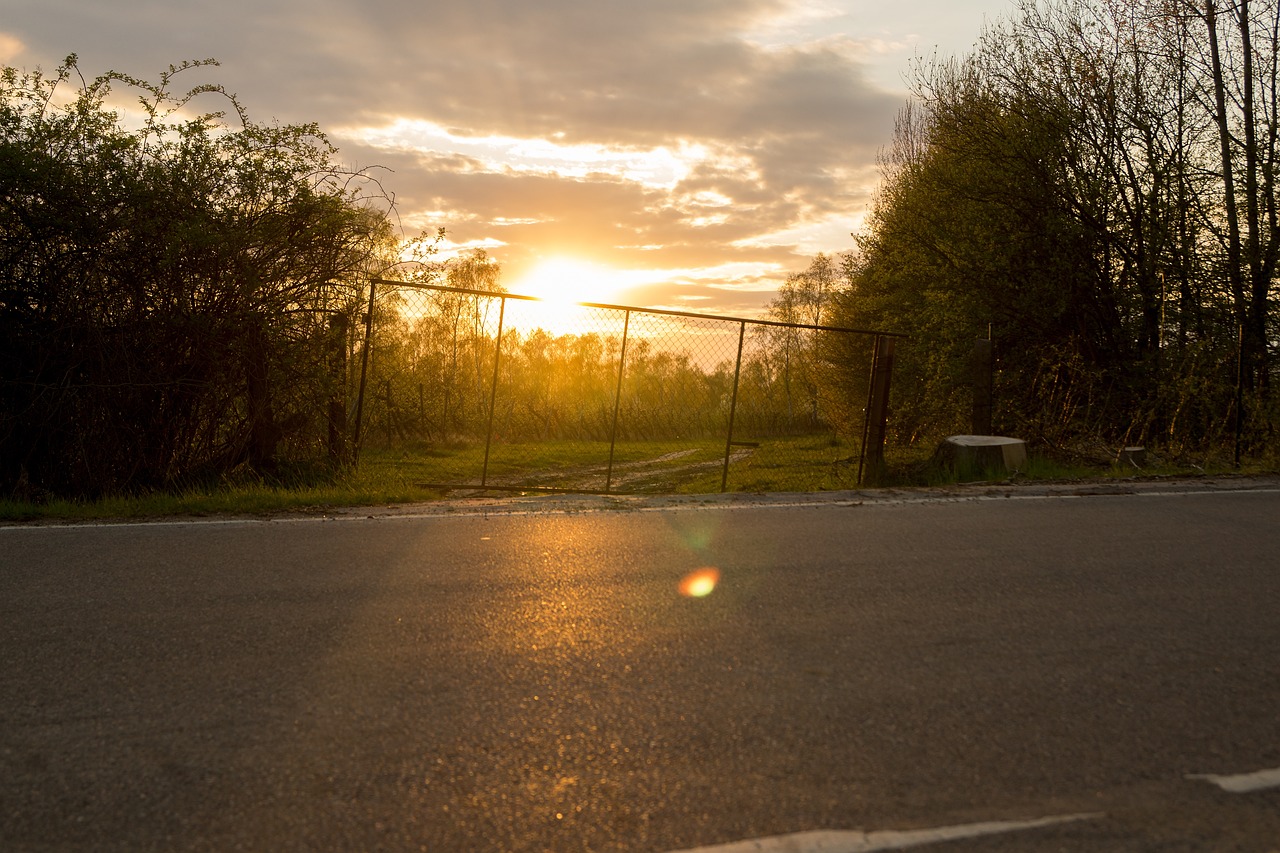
(700, 583)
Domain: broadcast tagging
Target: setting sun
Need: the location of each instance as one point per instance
(565, 281)
(561, 283)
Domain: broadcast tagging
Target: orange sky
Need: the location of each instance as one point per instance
(674, 153)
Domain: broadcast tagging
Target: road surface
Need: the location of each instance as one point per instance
(1063, 671)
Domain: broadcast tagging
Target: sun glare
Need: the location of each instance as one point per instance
(567, 280)
(561, 283)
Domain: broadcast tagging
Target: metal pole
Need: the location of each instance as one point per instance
(364, 373)
(733, 408)
(879, 409)
(617, 400)
(866, 413)
(493, 390)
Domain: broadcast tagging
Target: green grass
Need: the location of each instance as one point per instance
(258, 499)
(785, 464)
(908, 467)
(395, 476)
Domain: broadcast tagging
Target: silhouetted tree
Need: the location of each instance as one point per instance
(1094, 186)
(168, 293)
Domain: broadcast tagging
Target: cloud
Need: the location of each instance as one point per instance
(669, 134)
(10, 48)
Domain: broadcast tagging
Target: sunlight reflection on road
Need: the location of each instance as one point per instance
(700, 583)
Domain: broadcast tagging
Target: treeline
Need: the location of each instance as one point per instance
(179, 294)
(184, 298)
(433, 372)
(1094, 188)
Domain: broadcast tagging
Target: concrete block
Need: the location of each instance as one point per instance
(1135, 457)
(982, 452)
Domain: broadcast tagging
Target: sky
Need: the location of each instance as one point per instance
(684, 154)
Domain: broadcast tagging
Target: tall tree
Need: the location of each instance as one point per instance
(1248, 157)
(1085, 182)
(789, 352)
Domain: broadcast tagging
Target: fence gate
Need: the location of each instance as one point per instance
(480, 390)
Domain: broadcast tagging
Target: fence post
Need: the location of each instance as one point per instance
(866, 410)
(364, 373)
(493, 389)
(617, 400)
(878, 409)
(733, 408)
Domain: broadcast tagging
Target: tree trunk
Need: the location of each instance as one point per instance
(1235, 271)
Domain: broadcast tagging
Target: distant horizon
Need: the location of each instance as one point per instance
(689, 313)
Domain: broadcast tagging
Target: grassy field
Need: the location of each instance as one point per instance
(403, 474)
(692, 466)
(420, 473)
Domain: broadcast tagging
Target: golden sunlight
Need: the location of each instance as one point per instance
(567, 280)
(561, 283)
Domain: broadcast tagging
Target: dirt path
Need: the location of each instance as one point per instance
(629, 479)
(659, 471)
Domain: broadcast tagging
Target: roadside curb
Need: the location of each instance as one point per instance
(572, 504)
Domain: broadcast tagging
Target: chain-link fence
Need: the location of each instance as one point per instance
(476, 389)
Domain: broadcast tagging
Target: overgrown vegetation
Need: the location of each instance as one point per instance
(398, 475)
(183, 310)
(440, 377)
(183, 296)
(1095, 189)
(642, 377)
(178, 290)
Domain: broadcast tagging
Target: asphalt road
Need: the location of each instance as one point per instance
(527, 676)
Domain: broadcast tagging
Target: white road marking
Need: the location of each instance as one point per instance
(1243, 783)
(837, 841)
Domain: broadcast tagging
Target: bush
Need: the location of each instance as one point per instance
(176, 299)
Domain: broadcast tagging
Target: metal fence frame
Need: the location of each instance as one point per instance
(871, 455)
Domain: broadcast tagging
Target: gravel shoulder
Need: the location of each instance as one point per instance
(1012, 489)
(529, 504)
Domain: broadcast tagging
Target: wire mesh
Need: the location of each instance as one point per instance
(471, 389)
